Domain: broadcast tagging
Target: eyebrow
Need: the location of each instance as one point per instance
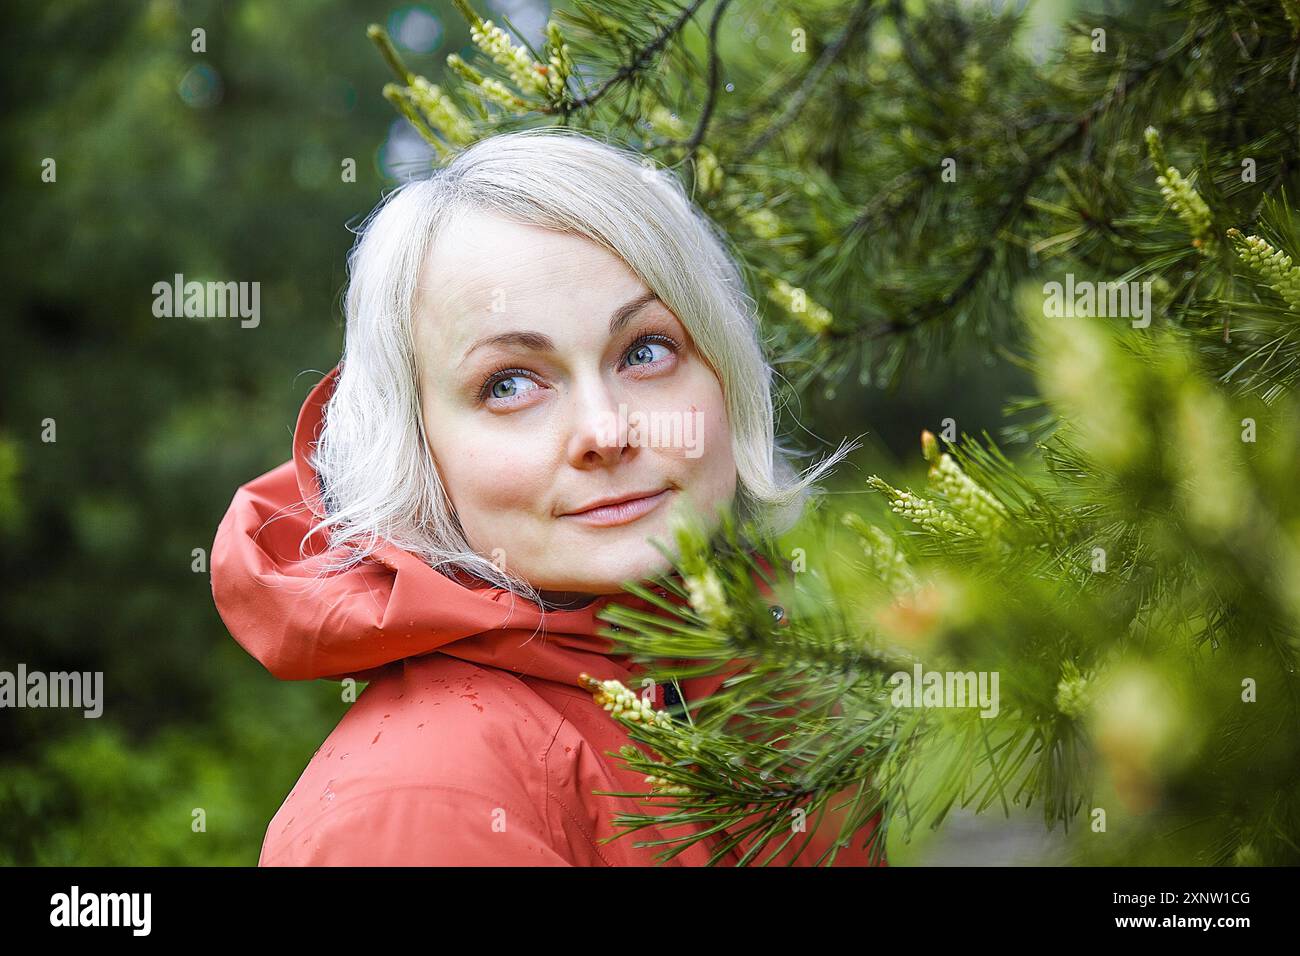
(537, 342)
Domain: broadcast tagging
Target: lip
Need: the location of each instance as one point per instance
(620, 510)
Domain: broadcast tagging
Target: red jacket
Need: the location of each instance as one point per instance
(474, 743)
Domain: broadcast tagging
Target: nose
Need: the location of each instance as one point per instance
(598, 433)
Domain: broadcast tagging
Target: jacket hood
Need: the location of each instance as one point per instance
(303, 624)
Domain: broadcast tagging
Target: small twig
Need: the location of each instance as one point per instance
(857, 18)
(715, 68)
(881, 201)
(643, 56)
(905, 43)
(1011, 207)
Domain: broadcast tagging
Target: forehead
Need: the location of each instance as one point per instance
(486, 268)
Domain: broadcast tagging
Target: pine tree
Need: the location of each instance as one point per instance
(908, 180)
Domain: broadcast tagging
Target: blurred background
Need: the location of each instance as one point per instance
(227, 164)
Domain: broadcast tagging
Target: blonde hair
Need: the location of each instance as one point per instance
(377, 476)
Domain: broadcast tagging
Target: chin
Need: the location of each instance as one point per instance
(605, 569)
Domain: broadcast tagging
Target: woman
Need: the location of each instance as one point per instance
(549, 357)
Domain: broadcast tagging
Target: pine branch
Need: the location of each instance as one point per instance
(857, 22)
(1014, 202)
(1130, 572)
(638, 62)
(702, 125)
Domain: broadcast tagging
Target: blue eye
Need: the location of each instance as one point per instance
(495, 390)
(502, 384)
(642, 353)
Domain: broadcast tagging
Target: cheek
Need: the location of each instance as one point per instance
(706, 456)
(708, 475)
(719, 458)
(485, 477)
(711, 415)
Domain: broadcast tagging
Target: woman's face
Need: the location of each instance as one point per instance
(552, 380)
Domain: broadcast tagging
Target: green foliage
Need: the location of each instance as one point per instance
(816, 135)
(898, 186)
(160, 419)
(940, 117)
(1137, 600)
(102, 796)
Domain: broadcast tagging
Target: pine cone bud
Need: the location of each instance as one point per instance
(526, 73)
(1272, 264)
(466, 72)
(815, 317)
(1181, 195)
(1189, 206)
(1073, 692)
(977, 507)
(442, 111)
(918, 510)
(623, 703)
(888, 563)
(929, 446)
(708, 598)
